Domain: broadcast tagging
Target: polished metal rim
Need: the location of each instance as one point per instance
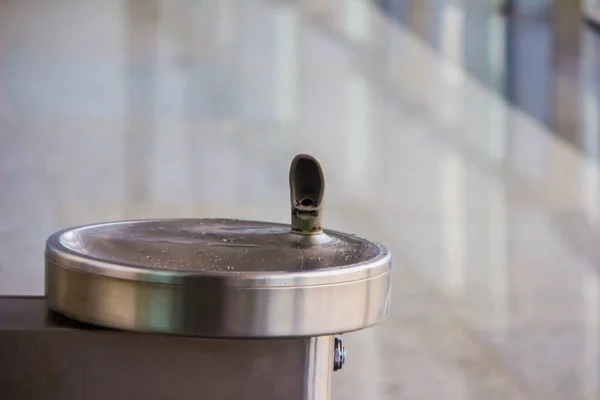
(205, 308)
(61, 255)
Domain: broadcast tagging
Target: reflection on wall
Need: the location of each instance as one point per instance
(491, 42)
(451, 74)
(452, 169)
(498, 259)
(528, 83)
(357, 26)
(565, 22)
(140, 55)
(591, 369)
(488, 267)
(589, 82)
(452, 203)
(287, 33)
(590, 186)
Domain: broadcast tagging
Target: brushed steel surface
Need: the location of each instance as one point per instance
(208, 307)
(49, 357)
(242, 252)
(217, 278)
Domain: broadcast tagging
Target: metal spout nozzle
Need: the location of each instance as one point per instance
(307, 187)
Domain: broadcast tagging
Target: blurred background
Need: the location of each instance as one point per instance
(463, 134)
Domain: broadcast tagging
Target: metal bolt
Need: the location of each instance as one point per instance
(339, 354)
